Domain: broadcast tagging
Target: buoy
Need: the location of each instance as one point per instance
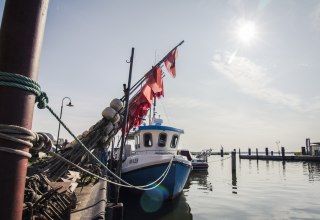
(84, 134)
(108, 129)
(116, 118)
(91, 128)
(116, 104)
(111, 115)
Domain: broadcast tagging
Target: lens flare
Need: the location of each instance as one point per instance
(151, 201)
(246, 31)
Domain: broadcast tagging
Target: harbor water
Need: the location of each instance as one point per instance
(257, 190)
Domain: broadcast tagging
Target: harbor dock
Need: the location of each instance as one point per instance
(285, 158)
(304, 155)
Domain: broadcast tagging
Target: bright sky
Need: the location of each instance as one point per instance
(247, 74)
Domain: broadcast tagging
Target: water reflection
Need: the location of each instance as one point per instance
(312, 170)
(284, 169)
(170, 210)
(267, 165)
(234, 182)
(199, 179)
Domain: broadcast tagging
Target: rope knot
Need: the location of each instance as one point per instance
(42, 100)
(42, 142)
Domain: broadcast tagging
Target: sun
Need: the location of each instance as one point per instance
(246, 31)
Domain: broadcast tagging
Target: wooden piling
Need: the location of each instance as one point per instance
(249, 151)
(283, 152)
(233, 160)
(221, 152)
(257, 153)
(267, 151)
(303, 150)
(22, 31)
(271, 153)
(239, 152)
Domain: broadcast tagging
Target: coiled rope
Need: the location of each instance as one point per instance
(27, 84)
(23, 136)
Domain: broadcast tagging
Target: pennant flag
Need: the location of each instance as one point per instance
(170, 62)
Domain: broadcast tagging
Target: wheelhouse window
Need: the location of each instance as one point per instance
(174, 141)
(162, 139)
(137, 141)
(147, 139)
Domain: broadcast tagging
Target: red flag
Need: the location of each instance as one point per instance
(155, 82)
(138, 109)
(147, 92)
(170, 62)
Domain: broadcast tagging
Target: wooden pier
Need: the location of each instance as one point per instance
(284, 158)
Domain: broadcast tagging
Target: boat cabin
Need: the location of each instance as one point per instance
(185, 153)
(157, 139)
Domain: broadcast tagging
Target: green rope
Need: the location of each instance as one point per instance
(24, 83)
(27, 84)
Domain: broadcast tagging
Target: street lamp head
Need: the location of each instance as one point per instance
(70, 104)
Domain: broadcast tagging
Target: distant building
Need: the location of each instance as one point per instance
(315, 149)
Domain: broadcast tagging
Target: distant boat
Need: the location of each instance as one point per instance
(199, 162)
(156, 149)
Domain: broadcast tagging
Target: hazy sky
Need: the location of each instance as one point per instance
(230, 91)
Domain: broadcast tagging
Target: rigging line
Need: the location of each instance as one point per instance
(105, 179)
(212, 161)
(134, 87)
(164, 111)
(95, 158)
(27, 84)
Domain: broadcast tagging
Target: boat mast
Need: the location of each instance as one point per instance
(154, 107)
(125, 120)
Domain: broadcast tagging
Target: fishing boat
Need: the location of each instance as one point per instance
(199, 162)
(156, 160)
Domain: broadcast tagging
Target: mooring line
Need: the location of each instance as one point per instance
(27, 84)
(219, 160)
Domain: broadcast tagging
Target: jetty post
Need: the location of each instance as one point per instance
(303, 150)
(21, 37)
(283, 153)
(271, 153)
(221, 152)
(249, 151)
(233, 160)
(257, 152)
(267, 151)
(239, 153)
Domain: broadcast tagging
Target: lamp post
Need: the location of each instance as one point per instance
(69, 105)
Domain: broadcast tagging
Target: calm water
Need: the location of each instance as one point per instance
(258, 190)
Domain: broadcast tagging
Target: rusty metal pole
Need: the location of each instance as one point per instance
(21, 36)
